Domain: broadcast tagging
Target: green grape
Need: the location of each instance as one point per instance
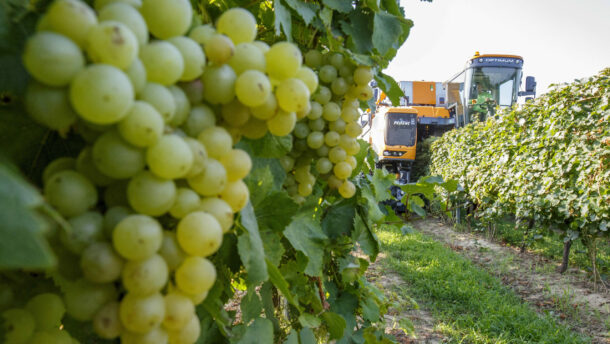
(202, 33)
(331, 112)
(194, 59)
(161, 98)
(100, 263)
(235, 114)
(353, 147)
(106, 322)
(236, 194)
(315, 139)
(137, 75)
(309, 77)
(141, 314)
(200, 118)
(347, 189)
(337, 154)
(342, 170)
(247, 56)
(345, 141)
(332, 138)
(19, 325)
(338, 126)
(323, 95)
(262, 46)
(254, 128)
(128, 15)
(301, 174)
(365, 92)
(57, 165)
(323, 165)
(300, 146)
(220, 209)
(112, 42)
(193, 91)
(328, 74)
(283, 60)
(49, 106)
(187, 334)
(351, 160)
(287, 163)
(301, 130)
(305, 189)
(217, 141)
(116, 158)
(218, 84)
(237, 163)
(151, 195)
(183, 106)
(200, 155)
(349, 114)
(170, 157)
(313, 59)
(252, 88)
(52, 336)
(323, 151)
(83, 299)
(86, 167)
(145, 277)
(238, 24)
(305, 111)
(267, 110)
(186, 202)
(353, 129)
(170, 250)
(334, 182)
(211, 181)
(163, 62)
(346, 71)
(363, 75)
(167, 18)
(70, 193)
(101, 94)
(100, 4)
(52, 59)
(317, 124)
(282, 123)
(339, 86)
(82, 19)
(316, 110)
(336, 60)
(219, 49)
(199, 234)
(154, 336)
(179, 309)
(143, 125)
(195, 275)
(86, 229)
(352, 91)
(137, 237)
(292, 95)
(48, 309)
(115, 194)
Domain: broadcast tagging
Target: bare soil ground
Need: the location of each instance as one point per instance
(571, 297)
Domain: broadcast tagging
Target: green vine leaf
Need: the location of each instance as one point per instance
(387, 30)
(306, 10)
(250, 247)
(283, 20)
(339, 5)
(305, 235)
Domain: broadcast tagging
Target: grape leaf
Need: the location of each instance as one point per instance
(292, 338)
(359, 30)
(346, 305)
(382, 181)
(386, 32)
(259, 332)
(276, 211)
(306, 10)
(272, 243)
(305, 235)
(335, 323)
(250, 247)
(283, 20)
(309, 320)
(339, 220)
(370, 309)
(251, 306)
(390, 87)
(269, 146)
(278, 280)
(307, 337)
(22, 242)
(365, 237)
(339, 5)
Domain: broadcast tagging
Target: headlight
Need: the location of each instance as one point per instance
(392, 153)
(387, 153)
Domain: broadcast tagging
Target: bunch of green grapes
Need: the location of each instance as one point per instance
(160, 109)
(37, 322)
(326, 138)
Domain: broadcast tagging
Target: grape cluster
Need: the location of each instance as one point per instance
(327, 136)
(160, 105)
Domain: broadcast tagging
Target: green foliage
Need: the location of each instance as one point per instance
(421, 165)
(548, 161)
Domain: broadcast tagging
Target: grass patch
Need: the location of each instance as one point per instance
(471, 305)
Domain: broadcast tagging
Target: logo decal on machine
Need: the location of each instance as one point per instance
(402, 122)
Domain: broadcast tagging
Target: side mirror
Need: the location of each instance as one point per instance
(530, 84)
(365, 122)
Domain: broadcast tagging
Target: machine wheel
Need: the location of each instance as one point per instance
(405, 176)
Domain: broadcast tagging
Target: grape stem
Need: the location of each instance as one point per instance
(325, 304)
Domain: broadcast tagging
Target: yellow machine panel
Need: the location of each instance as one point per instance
(424, 92)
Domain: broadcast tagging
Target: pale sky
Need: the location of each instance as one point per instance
(559, 40)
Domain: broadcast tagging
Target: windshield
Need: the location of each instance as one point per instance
(400, 129)
(492, 85)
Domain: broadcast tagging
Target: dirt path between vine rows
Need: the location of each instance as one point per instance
(570, 297)
(403, 308)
